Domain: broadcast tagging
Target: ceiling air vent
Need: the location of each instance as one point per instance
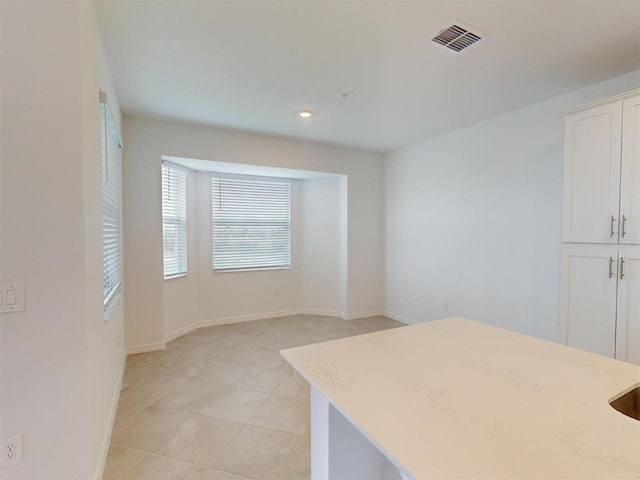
(456, 38)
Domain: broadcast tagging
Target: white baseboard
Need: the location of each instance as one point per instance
(106, 439)
(245, 318)
(147, 347)
(226, 321)
(399, 318)
(180, 332)
(150, 347)
(342, 315)
(263, 316)
(356, 316)
(322, 313)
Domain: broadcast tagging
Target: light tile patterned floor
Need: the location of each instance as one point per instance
(220, 403)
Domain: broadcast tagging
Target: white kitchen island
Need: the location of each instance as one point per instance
(455, 398)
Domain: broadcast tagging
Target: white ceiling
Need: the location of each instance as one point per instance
(253, 65)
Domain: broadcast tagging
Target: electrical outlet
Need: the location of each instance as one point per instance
(276, 291)
(11, 448)
(445, 306)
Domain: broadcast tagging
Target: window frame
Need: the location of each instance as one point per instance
(252, 179)
(111, 209)
(181, 221)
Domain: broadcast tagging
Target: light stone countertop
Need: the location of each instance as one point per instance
(455, 398)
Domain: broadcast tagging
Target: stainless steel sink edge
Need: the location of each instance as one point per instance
(627, 402)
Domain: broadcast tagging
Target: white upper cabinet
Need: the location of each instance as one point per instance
(601, 177)
(630, 172)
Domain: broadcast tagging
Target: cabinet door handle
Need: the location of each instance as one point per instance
(610, 267)
(621, 268)
(624, 219)
(613, 219)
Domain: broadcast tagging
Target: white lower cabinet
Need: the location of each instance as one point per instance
(628, 311)
(600, 300)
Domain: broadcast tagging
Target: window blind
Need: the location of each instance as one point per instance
(251, 224)
(111, 195)
(174, 220)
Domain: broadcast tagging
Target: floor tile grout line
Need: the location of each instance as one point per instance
(189, 412)
(273, 429)
(133, 415)
(227, 446)
(293, 450)
(155, 454)
(204, 414)
(247, 342)
(134, 465)
(244, 474)
(129, 448)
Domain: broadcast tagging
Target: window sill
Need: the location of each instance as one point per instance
(260, 269)
(111, 304)
(177, 275)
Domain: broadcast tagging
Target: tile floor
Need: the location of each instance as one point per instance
(220, 403)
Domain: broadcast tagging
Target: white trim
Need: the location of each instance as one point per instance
(110, 118)
(251, 317)
(150, 347)
(322, 313)
(246, 318)
(356, 316)
(177, 275)
(227, 320)
(177, 166)
(112, 302)
(106, 440)
(147, 347)
(181, 331)
(612, 98)
(400, 318)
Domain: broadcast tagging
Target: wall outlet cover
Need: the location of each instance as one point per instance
(11, 448)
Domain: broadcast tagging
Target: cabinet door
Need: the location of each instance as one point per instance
(588, 298)
(591, 175)
(628, 324)
(630, 174)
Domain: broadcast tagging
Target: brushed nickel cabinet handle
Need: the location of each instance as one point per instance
(613, 219)
(624, 219)
(610, 267)
(621, 268)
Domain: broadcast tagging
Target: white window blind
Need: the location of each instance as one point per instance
(174, 220)
(251, 224)
(111, 198)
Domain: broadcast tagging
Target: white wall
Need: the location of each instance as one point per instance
(59, 362)
(313, 284)
(473, 218)
(227, 296)
(105, 353)
(230, 295)
(180, 295)
(321, 275)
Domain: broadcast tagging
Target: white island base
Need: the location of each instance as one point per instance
(340, 451)
(460, 399)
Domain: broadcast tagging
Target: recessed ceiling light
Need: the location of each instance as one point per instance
(306, 113)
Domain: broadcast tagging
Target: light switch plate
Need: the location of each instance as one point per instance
(14, 292)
